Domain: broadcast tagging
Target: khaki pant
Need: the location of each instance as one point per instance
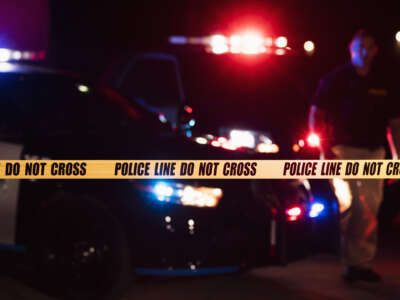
(359, 201)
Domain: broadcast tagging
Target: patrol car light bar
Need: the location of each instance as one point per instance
(248, 43)
(17, 55)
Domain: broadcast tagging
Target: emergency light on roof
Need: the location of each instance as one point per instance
(16, 55)
(245, 43)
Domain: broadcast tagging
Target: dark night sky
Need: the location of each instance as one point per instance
(104, 26)
(120, 21)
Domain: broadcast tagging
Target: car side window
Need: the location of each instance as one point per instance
(154, 81)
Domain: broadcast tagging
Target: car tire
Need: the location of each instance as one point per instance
(80, 250)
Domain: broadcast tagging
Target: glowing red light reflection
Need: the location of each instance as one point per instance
(313, 140)
(294, 213)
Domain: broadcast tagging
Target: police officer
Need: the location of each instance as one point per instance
(352, 110)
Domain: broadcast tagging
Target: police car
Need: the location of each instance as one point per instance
(253, 91)
(88, 238)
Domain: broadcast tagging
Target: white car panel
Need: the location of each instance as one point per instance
(9, 190)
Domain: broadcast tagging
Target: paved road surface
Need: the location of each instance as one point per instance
(313, 278)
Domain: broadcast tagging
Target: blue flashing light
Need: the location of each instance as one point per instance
(179, 40)
(192, 122)
(162, 118)
(162, 190)
(316, 209)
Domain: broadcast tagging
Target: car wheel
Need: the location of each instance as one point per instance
(80, 251)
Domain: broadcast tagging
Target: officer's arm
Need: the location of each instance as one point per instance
(322, 100)
(393, 137)
(317, 119)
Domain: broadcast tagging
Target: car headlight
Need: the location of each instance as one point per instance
(184, 194)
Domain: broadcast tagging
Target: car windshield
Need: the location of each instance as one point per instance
(246, 91)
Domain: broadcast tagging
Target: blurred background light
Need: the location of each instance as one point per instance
(281, 42)
(309, 46)
(398, 36)
(201, 140)
(242, 138)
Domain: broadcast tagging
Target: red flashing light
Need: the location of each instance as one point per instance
(219, 44)
(248, 43)
(188, 109)
(41, 54)
(224, 143)
(236, 43)
(274, 211)
(228, 146)
(294, 213)
(252, 43)
(313, 140)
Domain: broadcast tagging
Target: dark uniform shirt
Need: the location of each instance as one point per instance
(358, 108)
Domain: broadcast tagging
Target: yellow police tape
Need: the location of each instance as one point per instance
(198, 169)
